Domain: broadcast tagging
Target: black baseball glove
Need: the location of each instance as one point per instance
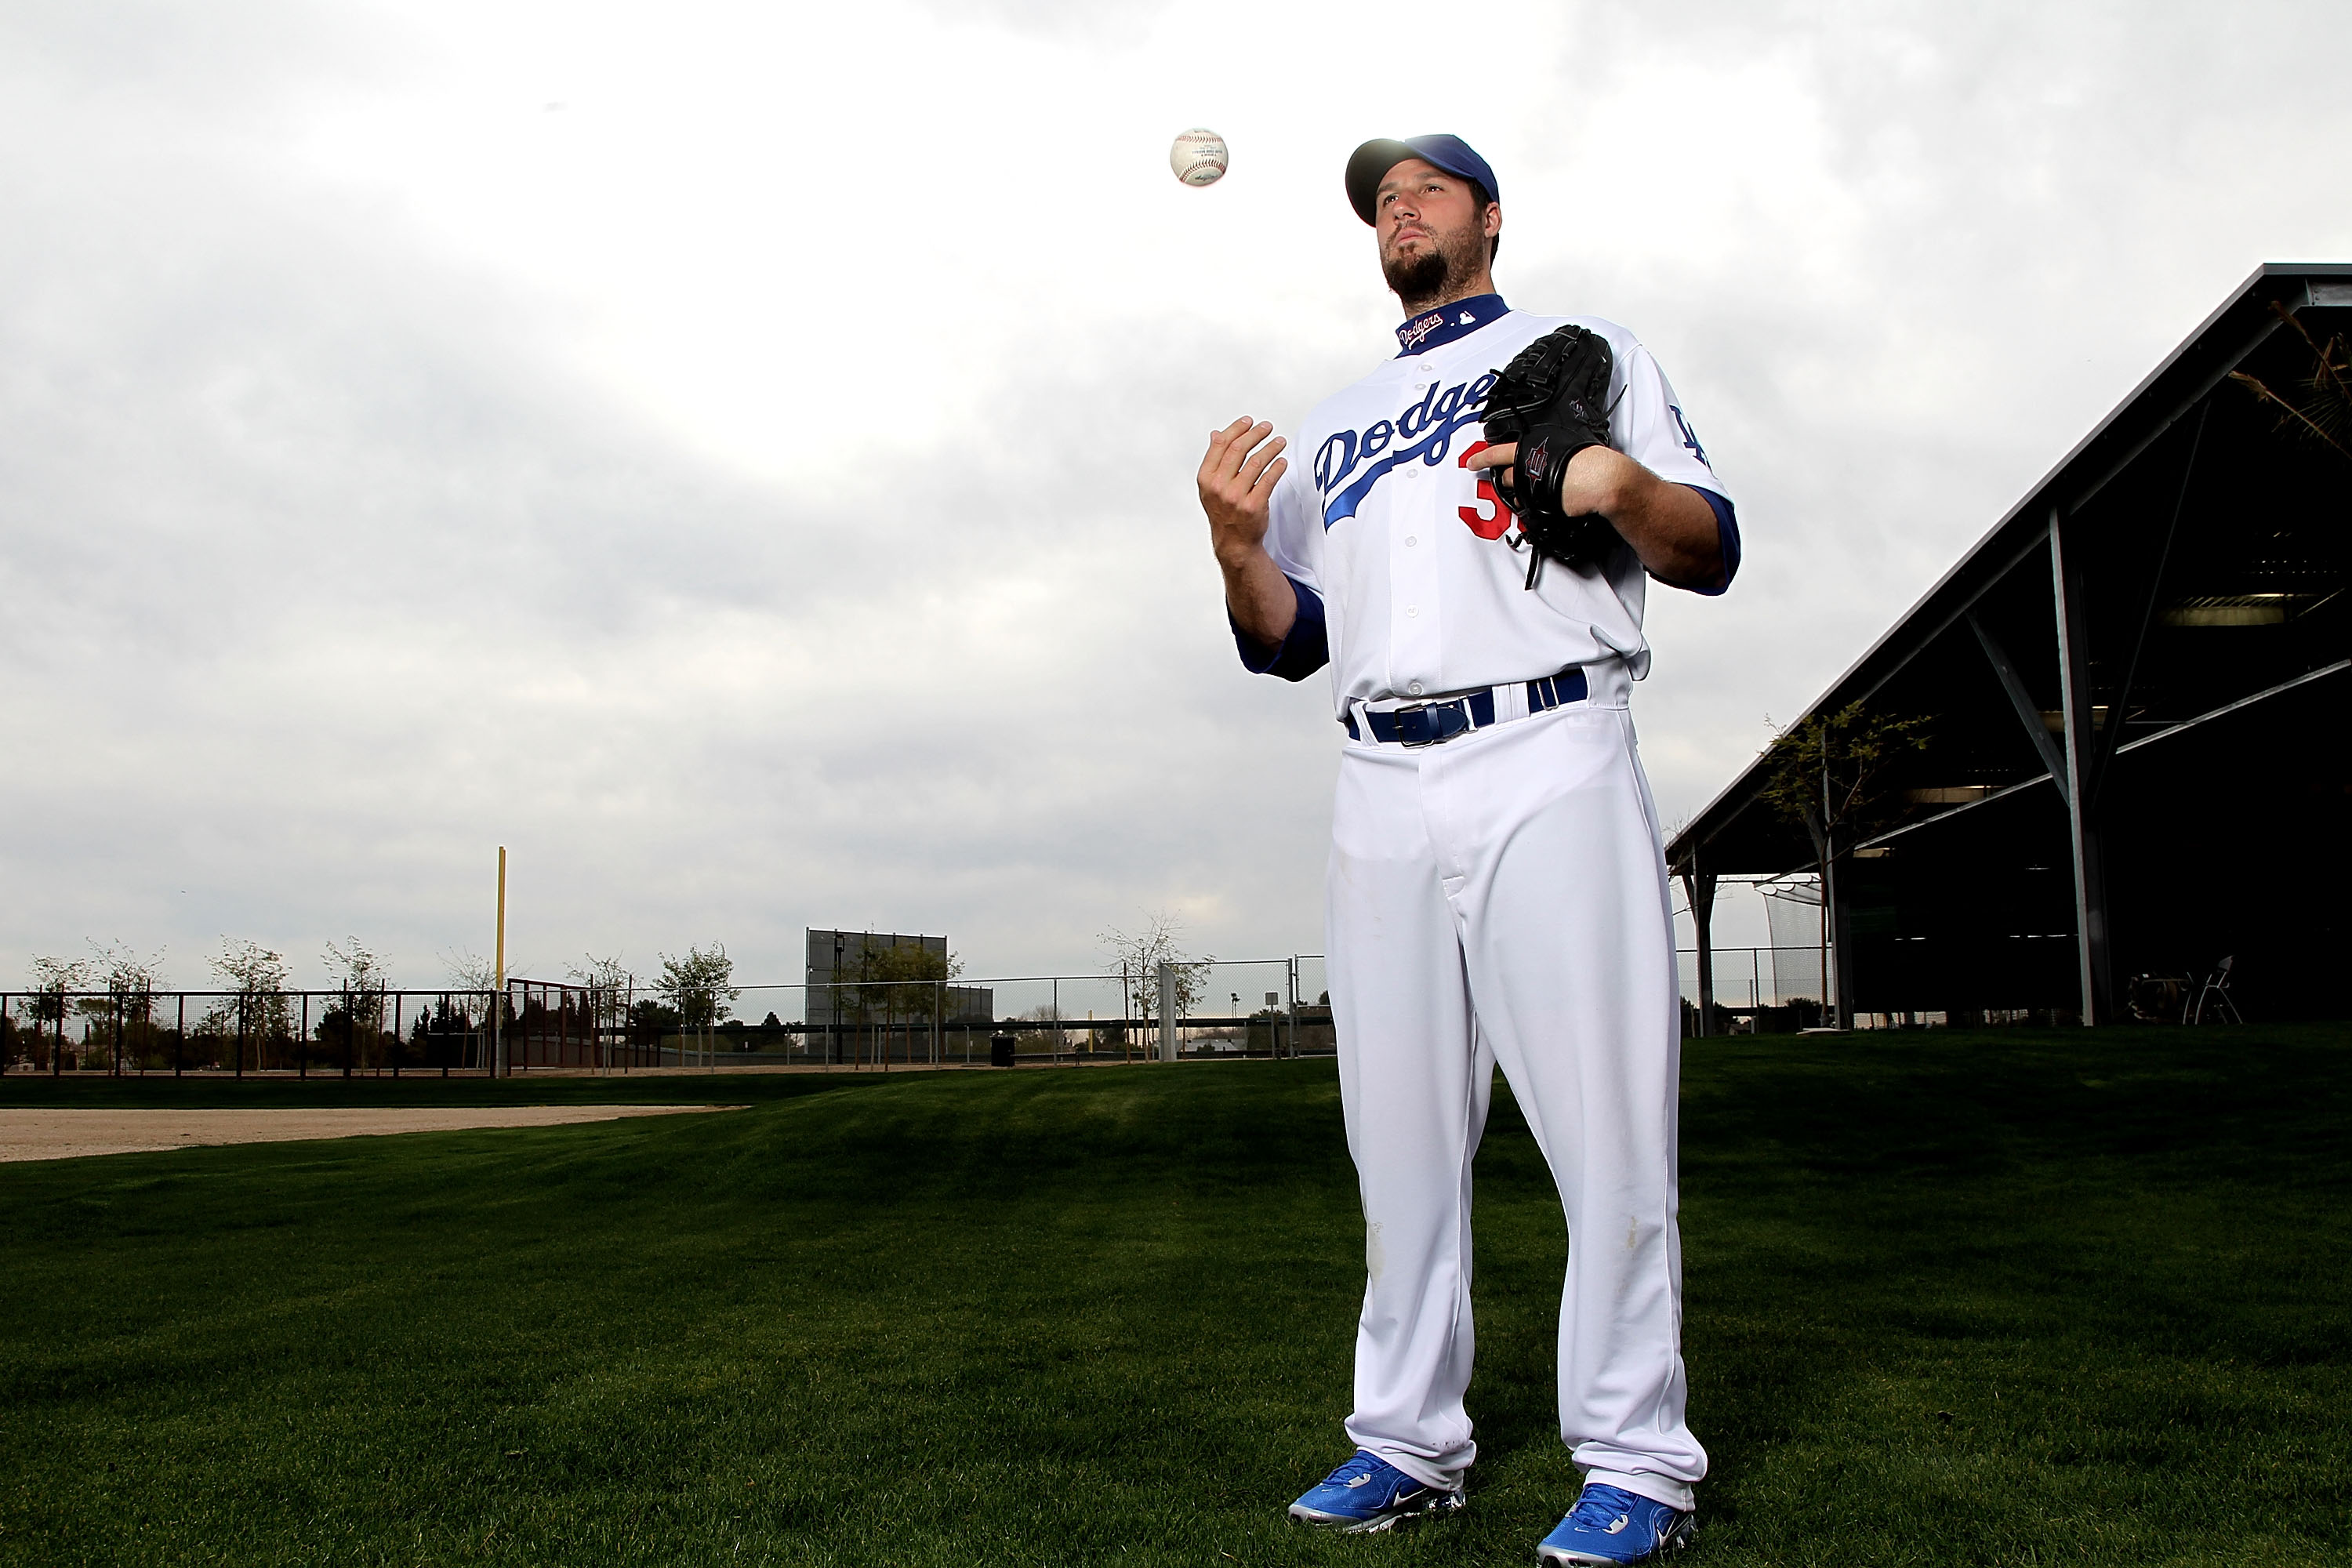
(1553, 400)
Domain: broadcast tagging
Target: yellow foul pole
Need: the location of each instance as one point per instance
(498, 1003)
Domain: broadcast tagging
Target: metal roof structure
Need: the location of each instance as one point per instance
(2129, 668)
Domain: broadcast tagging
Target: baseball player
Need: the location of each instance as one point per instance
(1463, 535)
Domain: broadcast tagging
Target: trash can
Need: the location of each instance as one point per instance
(999, 1051)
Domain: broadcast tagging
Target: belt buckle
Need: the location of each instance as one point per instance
(1436, 734)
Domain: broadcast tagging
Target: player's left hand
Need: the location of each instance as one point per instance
(1668, 526)
(1593, 482)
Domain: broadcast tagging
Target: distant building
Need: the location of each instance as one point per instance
(838, 958)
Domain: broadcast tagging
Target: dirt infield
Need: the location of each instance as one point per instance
(47, 1134)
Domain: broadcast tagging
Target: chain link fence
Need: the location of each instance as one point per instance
(300, 1033)
(1265, 1008)
(1276, 1007)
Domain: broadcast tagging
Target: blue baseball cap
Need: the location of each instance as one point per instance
(1371, 164)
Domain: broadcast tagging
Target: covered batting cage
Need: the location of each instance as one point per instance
(2114, 776)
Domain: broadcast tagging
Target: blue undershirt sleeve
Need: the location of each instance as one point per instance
(1726, 533)
(1301, 653)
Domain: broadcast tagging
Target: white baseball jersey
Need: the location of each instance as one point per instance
(1378, 518)
(1495, 900)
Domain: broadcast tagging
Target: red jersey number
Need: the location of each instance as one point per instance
(1490, 518)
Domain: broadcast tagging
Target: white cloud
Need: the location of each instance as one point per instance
(758, 488)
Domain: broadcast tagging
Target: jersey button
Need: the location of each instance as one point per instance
(1410, 541)
(1411, 611)
(1414, 689)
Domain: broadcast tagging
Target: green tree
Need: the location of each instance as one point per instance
(652, 1019)
(1829, 772)
(699, 986)
(910, 980)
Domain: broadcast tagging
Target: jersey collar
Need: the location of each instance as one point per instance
(1448, 322)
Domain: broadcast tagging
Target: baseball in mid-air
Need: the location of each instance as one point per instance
(1199, 157)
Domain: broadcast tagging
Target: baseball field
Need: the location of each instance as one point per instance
(2019, 1296)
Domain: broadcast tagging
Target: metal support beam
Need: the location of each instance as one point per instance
(2155, 432)
(1700, 886)
(2121, 711)
(1990, 574)
(2028, 713)
(2075, 709)
(1839, 981)
(2224, 711)
(2166, 733)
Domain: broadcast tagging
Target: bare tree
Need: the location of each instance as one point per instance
(125, 970)
(1049, 1019)
(470, 971)
(594, 971)
(258, 975)
(1136, 958)
(365, 984)
(53, 978)
(609, 984)
(130, 979)
(56, 976)
(361, 969)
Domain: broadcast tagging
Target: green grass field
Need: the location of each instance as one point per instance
(2024, 1297)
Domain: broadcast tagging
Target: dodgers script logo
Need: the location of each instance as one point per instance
(1351, 462)
(1416, 332)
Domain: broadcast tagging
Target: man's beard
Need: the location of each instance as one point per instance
(1437, 273)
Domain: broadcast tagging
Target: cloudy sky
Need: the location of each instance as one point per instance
(738, 455)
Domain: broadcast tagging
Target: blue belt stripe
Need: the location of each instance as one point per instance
(1430, 724)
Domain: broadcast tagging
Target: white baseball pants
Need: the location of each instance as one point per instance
(1502, 898)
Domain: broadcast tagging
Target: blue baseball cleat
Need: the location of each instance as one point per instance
(1609, 1524)
(1368, 1493)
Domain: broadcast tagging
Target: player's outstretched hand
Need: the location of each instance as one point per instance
(1237, 478)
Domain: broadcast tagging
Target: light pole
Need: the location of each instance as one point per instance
(1167, 1010)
